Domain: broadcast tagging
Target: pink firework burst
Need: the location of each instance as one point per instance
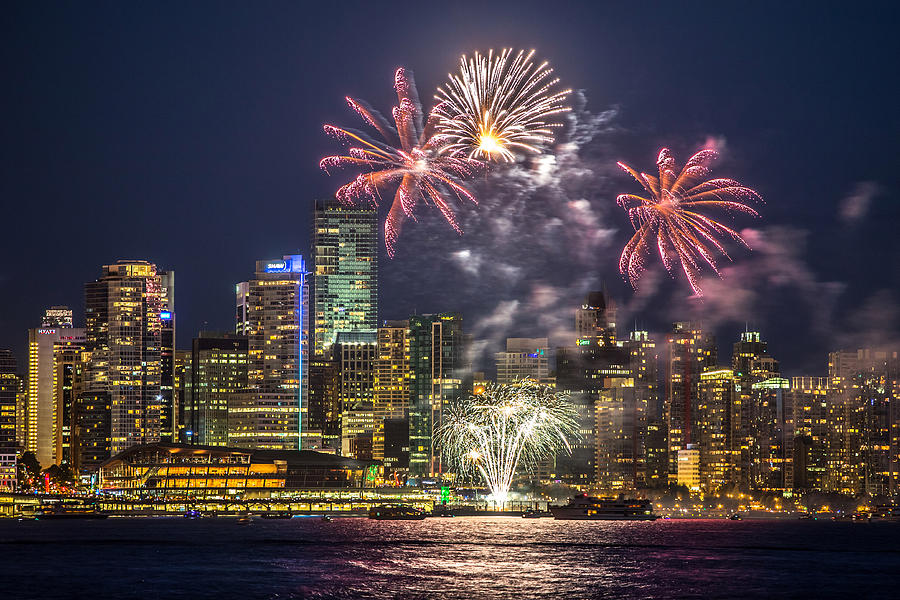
(670, 215)
(407, 159)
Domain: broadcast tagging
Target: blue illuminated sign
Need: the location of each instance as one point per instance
(290, 264)
(165, 315)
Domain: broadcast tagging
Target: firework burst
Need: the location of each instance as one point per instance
(499, 104)
(670, 216)
(504, 427)
(407, 159)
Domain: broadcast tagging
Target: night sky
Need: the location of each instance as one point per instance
(189, 134)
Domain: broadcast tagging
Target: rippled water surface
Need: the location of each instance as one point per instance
(448, 558)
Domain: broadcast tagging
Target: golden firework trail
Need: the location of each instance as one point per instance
(504, 427)
(498, 105)
(669, 216)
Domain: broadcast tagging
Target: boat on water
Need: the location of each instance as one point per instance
(86, 511)
(277, 515)
(396, 512)
(534, 513)
(589, 508)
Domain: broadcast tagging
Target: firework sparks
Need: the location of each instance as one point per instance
(499, 104)
(494, 432)
(408, 158)
(670, 214)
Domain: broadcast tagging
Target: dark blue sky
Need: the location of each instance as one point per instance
(189, 133)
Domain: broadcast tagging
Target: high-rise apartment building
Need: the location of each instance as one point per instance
(597, 365)
(688, 352)
(863, 449)
(10, 386)
(808, 399)
(524, 358)
(712, 428)
(751, 364)
(644, 366)
(124, 313)
(345, 285)
(47, 412)
(272, 412)
(771, 432)
(68, 376)
(355, 352)
(439, 374)
(216, 375)
(391, 400)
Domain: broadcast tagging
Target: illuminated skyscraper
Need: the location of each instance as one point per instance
(771, 429)
(597, 366)
(345, 285)
(438, 375)
(596, 318)
(47, 412)
(712, 428)
(125, 311)
(355, 352)
(272, 412)
(644, 367)
(217, 373)
(687, 353)
(808, 398)
(863, 449)
(751, 364)
(10, 384)
(524, 358)
(392, 393)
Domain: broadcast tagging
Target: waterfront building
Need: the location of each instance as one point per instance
(345, 282)
(808, 399)
(595, 363)
(10, 387)
(751, 364)
(863, 457)
(47, 411)
(644, 367)
(167, 470)
(688, 471)
(621, 425)
(325, 402)
(524, 358)
(272, 412)
(390, 442)
(181, 374)
(122, 397)
(712, 428)
(439, 374)
(68, 375)
(688, 352)
(771, 429)
(355, 352)
(217, 373)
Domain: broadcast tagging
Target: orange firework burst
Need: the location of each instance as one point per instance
(671, 214)
(413, 163)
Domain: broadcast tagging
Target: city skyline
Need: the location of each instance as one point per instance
(112, 156)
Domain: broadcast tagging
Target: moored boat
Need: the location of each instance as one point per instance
(396, 512)
(589, 508)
